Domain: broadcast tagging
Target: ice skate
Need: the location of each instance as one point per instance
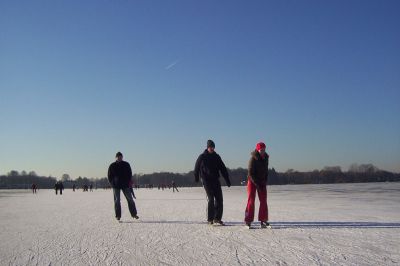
(265, 225)
(218, 223)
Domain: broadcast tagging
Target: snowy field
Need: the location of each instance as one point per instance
(345, 224)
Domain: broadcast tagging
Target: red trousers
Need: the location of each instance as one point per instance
(262, 196)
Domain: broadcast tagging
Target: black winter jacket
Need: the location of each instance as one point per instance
(119, 174)
(208, 166)
(258, 168)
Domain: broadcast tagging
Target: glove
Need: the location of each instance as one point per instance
(228, 184)
(254, 182)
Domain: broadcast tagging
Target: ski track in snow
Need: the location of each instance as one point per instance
(342, 224)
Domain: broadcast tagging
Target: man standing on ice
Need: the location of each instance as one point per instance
(174, 187)
(119, 175)
(208, 167)
(257, 182)
(34, 188)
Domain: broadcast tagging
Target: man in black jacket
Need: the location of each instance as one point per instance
(119, 175)
(208, 167)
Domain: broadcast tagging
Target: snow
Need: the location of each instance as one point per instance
(341, 224)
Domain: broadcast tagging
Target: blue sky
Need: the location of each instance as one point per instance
(317, 81)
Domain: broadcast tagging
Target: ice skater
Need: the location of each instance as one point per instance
(119, 175)
(208, 167)
(34, 187)
(59, 187)
(257, 182)
(174, 187)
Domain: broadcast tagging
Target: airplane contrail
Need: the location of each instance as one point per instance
(171, 65)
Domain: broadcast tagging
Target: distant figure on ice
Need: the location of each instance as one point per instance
(73, 187)
(34, 187)
(119, 175)
(208, 167)
(59, 186)
(174, 187)
(91, 187)
(257, 182)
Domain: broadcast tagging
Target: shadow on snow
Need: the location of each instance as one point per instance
(352, 225)
(284, 225)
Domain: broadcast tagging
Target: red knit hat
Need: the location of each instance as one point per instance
(260, 145)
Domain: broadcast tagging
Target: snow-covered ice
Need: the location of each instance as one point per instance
(340, 224)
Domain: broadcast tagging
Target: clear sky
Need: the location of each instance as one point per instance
(317, 81)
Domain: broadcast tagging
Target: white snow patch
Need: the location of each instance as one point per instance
(342, 224)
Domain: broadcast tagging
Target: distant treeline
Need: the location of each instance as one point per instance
(24, 180)
(333, 174)
(356, 174)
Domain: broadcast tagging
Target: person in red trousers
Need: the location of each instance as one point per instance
(257, 182)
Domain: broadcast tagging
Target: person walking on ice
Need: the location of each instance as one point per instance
(34, 187)
(119, 175)
(59, 186)
(208, 167)
(174, 187)
(257, 182)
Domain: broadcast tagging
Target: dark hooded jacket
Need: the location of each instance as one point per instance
(208, 167)
(258, 168)
(119, 174)
(59, 185)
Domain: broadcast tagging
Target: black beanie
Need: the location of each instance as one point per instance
(118, 154)
(210, 143)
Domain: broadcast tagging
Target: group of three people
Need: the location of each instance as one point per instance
(208, 168)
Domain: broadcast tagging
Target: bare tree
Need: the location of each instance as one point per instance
(65, 177)
(32, 173)
(363, 168)
(13, 173)
(335, 169)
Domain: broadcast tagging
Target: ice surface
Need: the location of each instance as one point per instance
(341, 224)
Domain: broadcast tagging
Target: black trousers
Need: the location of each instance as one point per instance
(215, 200)
(117, 201)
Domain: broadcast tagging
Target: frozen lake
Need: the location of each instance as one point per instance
(342, 224)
